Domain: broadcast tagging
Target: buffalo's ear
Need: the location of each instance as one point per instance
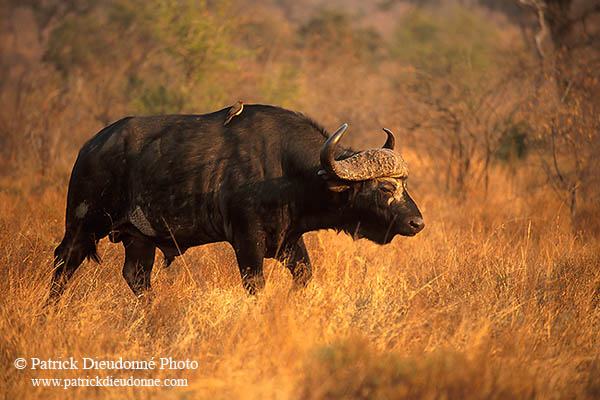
(334, 184)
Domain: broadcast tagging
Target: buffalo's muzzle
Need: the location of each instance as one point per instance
(416, 224)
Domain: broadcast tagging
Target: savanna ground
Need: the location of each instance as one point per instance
(499, 296)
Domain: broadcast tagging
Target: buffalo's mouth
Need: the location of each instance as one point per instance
(409, 234)
(375, 233)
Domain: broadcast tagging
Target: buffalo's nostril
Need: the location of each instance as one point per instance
(417, 223)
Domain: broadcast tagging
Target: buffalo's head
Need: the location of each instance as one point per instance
(377, 205)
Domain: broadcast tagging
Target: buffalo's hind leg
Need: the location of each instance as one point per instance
(68, 256)
(139, 259)
(295, 258)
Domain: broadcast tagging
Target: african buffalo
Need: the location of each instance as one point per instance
(259, 182)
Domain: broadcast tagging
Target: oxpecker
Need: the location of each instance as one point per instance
(235, 110)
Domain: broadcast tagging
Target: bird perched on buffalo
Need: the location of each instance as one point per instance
(234, 111)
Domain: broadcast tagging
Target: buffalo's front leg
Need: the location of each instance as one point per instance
(250, 252)
(139, 259)
(294, 257)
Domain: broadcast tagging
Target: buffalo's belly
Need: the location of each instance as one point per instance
(186, 224)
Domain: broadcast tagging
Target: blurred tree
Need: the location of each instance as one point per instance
(30, 98)
(177, 43)
(512, 143)
(456, 43)
(331, 34)
(457, 78)
(565, 105)
(280, 87)
(87, 49)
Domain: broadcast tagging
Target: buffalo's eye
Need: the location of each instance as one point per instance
(387, 189)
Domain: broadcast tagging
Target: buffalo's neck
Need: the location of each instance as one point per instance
(315, 206)
(319, 208)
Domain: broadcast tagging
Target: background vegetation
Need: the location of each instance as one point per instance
(497, 106)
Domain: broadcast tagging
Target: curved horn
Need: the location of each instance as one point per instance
(391, 140)
(368, 164)
(327, 160)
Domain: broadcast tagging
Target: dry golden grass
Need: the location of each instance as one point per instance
(495, 299)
